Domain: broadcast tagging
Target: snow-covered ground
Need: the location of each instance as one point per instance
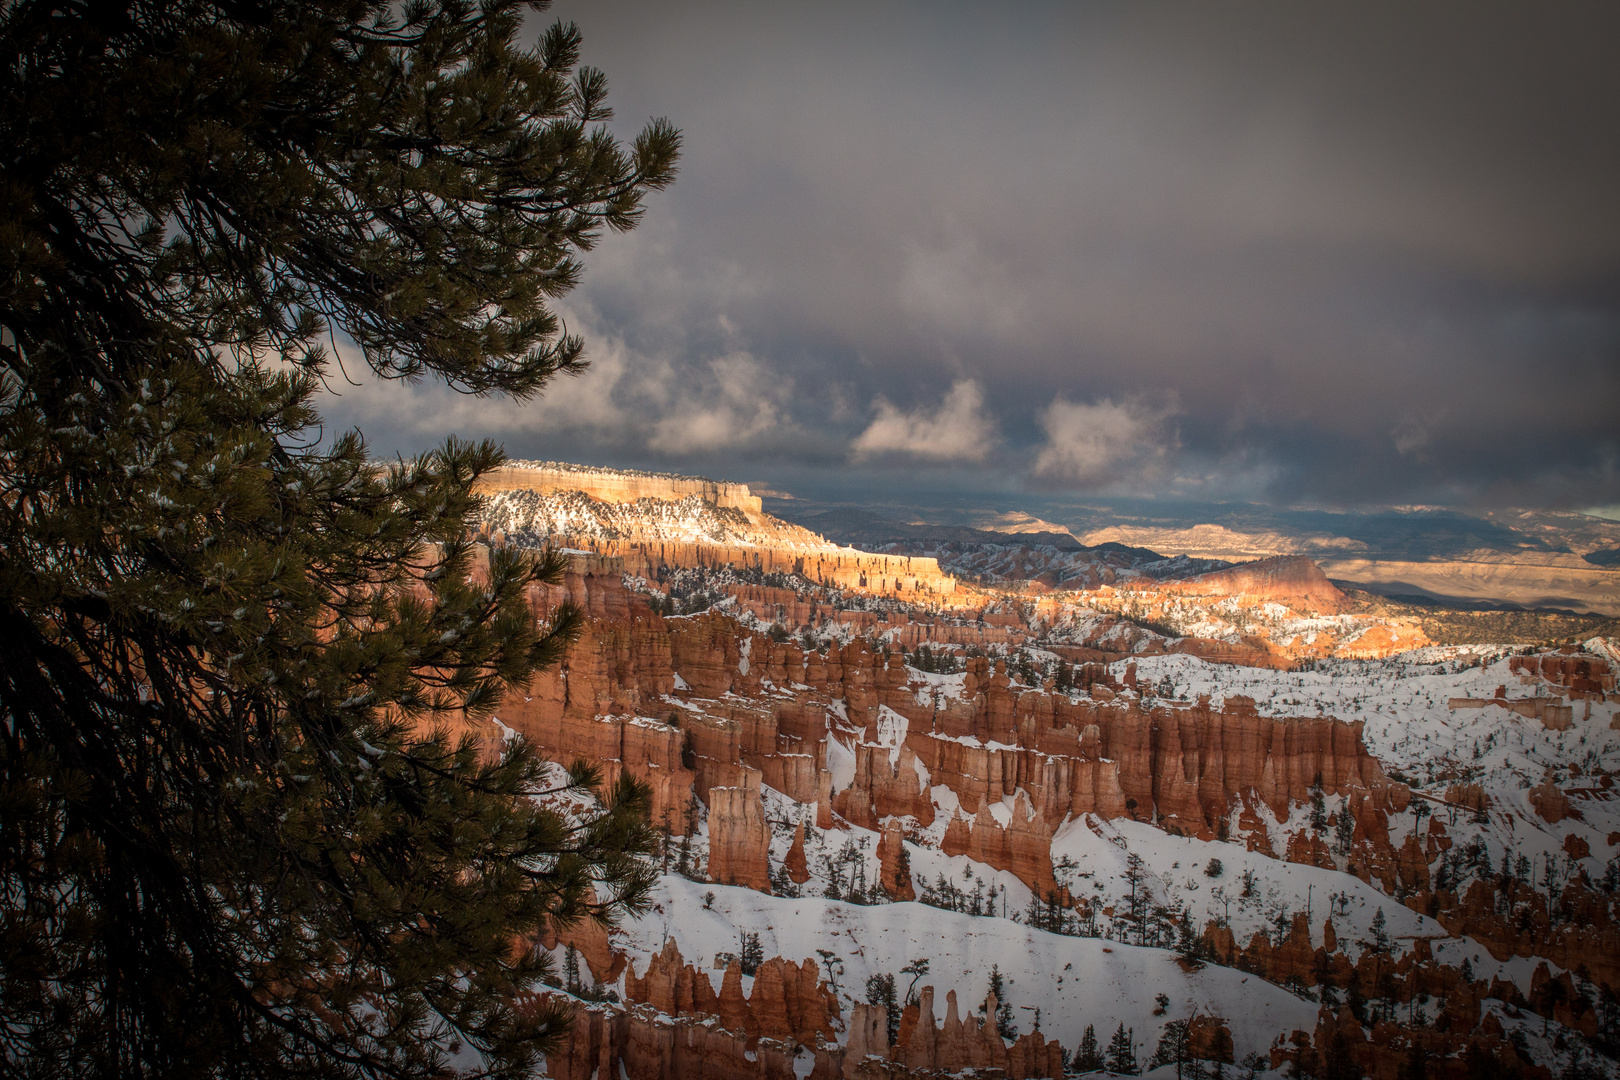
(1176, 867)
(1402, 700)
(1409, 726)
(1072, 981)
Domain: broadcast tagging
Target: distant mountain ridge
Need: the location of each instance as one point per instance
(1042, 559)
(1555, 560)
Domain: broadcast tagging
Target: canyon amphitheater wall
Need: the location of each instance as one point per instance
(619, 485)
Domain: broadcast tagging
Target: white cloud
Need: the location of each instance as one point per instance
(736, 401)
(427, 410)
(959, 430)
(1091, 444)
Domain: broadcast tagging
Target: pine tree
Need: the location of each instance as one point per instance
(1122, 1051)
(1380, 933)
(1087, 1058)
(1345, 829)
(750, 953)
(240, 836)
(571, 969)
(1003, 1011)
(1136, 877)
(916, 969)
(1172, 1048)
(880, 990)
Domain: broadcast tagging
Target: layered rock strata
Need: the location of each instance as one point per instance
(699, 705)
(619, 485)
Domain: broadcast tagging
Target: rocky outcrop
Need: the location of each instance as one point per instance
(617, 485)
(709, 712)
(698, 705)
(868, 1039)
(969, 1042)
(1516, 920)
(739, 839)
(1581, 674)
(1388, 1052)
(1209, 1039)
(894, 866)
(797, 867)
(640, 1044)
(712, 526)
(1551, 711)
(1291, 580)
(672, 986)
(1549, 800)
(1023, 847)
(788, 1000)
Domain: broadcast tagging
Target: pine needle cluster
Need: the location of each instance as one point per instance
(235, 835)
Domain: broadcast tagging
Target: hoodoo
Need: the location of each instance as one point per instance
(829, 733)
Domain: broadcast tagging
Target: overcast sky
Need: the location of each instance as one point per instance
(1296, 254)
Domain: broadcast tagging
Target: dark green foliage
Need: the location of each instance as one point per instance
(1122, 1051)
(846, 877)
(750, 953)
(1339, 1064)
(916, 969)
(880, 990)
(571, 969)
(1003, 1014)
(1172, 1048)
(230, 841)
(1380, 933)
(1086, 1057)
(1190, 945)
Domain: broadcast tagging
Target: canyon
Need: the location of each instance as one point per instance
(833, 739)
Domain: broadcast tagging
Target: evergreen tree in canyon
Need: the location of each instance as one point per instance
(236, 838)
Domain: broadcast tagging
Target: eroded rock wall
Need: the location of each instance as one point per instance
(699, 705)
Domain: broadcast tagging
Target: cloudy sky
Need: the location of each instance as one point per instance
(1332, 255)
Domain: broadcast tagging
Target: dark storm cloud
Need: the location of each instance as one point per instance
(1307, 253)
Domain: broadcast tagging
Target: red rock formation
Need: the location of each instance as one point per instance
(1584, 675)
(894, 873)
(700, 707)
(1551, 711)
(1550, 802)
(788, 1001)
(590, 939)
(739, 839)
(1022, 848)
(672, 986)
(969, 1043)
(1309, 848)
(1291, 580)
(1519, 923)
(1185, 766)
(604, 1041)
(798, 869)
(868, 1037)
(1209, 1039)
